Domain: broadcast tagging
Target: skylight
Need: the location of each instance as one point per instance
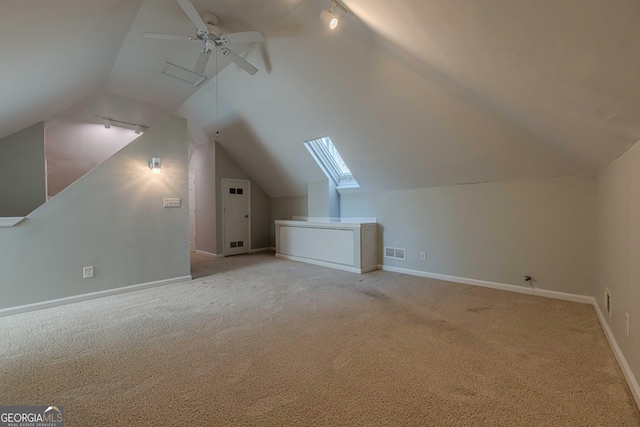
(331, 162)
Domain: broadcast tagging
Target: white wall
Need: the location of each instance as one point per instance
(226, 167)
(74, 148)
(286, 208)
(211, 163)
(203, 162)
(618, 250)
(77, 141)
(323, 199)
(497, 232)
(318, 198)
(334, 200)
(22, 171)
(111, 219)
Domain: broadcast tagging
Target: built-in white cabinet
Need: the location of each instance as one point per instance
(349, 246)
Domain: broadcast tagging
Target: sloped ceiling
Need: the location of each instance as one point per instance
(567, 70)
(401, 122)
(136, 71)
(413, 93)
(55, 53)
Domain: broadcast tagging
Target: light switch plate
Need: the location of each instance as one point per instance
(171, 202)
(87, 272)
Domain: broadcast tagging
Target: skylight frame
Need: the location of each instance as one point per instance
(325, 152)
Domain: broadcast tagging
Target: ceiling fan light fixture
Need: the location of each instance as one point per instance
(329, 18)
(213, 39)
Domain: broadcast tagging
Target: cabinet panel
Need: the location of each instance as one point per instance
(346, 246)
(316, 243)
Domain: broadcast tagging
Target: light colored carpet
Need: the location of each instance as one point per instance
(271, 342)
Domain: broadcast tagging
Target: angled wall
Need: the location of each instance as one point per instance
(75, 147)
(112, 219)
(618, 251)
(22, 171)
(226, 167)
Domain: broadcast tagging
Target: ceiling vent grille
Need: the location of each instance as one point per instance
(183, 74)
(395, 253)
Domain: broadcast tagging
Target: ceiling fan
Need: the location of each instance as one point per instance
(212, 37)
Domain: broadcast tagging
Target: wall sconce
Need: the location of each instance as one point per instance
(330, 17)
(154, 164)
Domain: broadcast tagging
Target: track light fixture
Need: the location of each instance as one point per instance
(137, 128)
(330, 17)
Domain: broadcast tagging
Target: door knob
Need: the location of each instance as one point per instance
(246, 216)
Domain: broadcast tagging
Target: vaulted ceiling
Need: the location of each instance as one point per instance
(414, 93)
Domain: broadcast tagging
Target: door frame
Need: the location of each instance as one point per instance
(195, 214)
(222, 187)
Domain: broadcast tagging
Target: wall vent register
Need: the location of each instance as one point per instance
(396, 253)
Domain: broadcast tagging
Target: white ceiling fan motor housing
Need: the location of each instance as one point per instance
(212, 20)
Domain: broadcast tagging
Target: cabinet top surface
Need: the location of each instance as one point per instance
(347, 222)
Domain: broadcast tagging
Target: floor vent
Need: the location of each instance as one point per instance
(396, 253)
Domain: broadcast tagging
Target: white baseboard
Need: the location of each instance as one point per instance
(91, 295)
(323, 263)
(208, 253)
(624, 366)
(494, 285)
(253, 251)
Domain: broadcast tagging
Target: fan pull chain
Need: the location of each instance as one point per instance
(217, 100)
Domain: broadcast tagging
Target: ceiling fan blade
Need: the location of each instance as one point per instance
(245, 37)
(201, 64)
(239, 61)
(193, 14)
(169, 37)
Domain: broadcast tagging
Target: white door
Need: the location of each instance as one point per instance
(236, 222)
(192, 210)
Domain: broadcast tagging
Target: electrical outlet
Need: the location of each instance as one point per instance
(171, 202)
(87, 272)
(626, 322)
(423, 256)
